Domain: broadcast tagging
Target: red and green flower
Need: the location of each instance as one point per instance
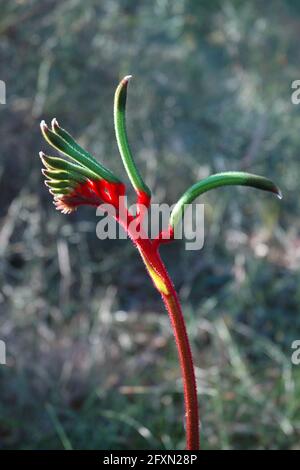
(76, 178)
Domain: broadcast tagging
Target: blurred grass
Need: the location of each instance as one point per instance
(91, 359)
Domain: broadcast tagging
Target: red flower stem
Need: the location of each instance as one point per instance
(173, 307)
(187, 370)
(161, 279)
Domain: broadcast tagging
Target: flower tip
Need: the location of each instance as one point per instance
(43, 126)
(126, 79)
(43, 157)
(275, 189)
(54, 124)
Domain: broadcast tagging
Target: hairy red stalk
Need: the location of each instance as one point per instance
(187, 368)
(148, 250)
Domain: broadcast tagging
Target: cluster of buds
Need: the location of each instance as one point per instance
(78, 179)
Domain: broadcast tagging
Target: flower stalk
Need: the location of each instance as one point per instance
(79, 179)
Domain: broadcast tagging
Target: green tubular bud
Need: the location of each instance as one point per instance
(122, 140)
(72, 142)
(60, 191)
(230, 178)
(60, 184)
(74, 151)
(55, 163)
(56, 175)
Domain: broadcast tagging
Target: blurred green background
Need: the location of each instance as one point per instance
(91, 362)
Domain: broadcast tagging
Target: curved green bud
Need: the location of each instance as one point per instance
(230, 178)
(72, 142)
(63, 191)
(67, 145)
(122, 140)
(56, 175)
(55, 163)
(60, 184)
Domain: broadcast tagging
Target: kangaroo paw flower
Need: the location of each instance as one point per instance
(85, 182)
(79, 179)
